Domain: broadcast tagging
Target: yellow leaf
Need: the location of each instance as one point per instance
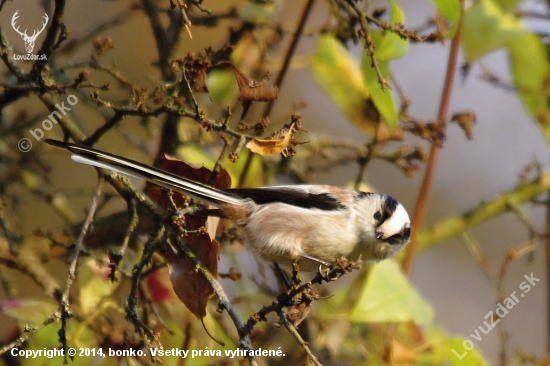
(389, 297)
(335, 69)
(273, 146)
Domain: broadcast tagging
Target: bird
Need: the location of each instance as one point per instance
(309, 224)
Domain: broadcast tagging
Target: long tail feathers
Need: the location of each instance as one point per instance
(100, 159)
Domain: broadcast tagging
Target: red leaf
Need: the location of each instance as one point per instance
(156, 282)
(189, 285)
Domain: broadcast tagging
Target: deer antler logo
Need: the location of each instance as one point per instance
(29, 40)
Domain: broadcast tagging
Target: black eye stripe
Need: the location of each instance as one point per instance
(390, 205)
(399, 238)
(393, 240)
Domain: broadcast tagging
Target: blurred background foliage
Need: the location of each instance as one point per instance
(343, 92)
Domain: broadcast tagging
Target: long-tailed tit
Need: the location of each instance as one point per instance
(283, 224)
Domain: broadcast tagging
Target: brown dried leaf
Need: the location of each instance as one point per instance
(258, 93)
(296, 314)
(384, 133)
(195, 68)
(441, 24)
(199, 82)
(101, 45)
(250, 90)
(190, 286)
(466, 121)
(271, 146)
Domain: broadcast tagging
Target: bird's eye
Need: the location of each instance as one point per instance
(377, 215)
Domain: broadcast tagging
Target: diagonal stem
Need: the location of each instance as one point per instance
(423, 197)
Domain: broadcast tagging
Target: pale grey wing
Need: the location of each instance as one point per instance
(100, 159)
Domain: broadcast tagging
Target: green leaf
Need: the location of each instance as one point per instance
(531, 73)
(529, 63)
(336, 307)
(198, 155)
(335, 69)
(486, 18)
(389, 46)
(93, 285)
(389, 297)
(195, 154)
(449, 8)
(457, 355)
(436, 353)
(30, 179)
(441, 352)
(509, 4)
(382, 99)
(222, 86)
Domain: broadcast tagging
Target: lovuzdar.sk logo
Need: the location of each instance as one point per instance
(28, 39)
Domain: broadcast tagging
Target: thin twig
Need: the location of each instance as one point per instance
(192, 95)
(369, 45)
(422, 202)
(56, 34)
(224, 303)
(513, 254)
(134, 220)
(342, 267)
(479, 258)
(131, 305)
(27, 332)
(292, 329)
(117, 117)
(364, 161)
(7, 56)
(64, 306)
(404, 33)
(12, 238)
